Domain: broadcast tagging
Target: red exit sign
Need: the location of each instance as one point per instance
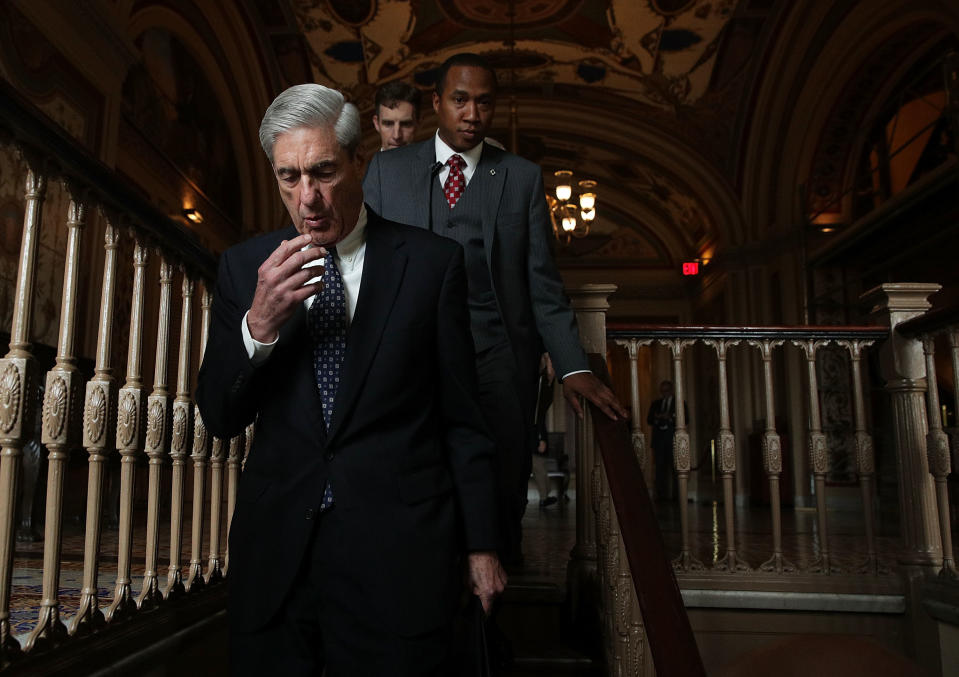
(691, 268)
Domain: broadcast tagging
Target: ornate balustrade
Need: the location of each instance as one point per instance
(99, 416)
(886, 368)
(761, 343)
(621, 578)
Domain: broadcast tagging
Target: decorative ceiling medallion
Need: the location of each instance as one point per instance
(494, 14)
(352, 12)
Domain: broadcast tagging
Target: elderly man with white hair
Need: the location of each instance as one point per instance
(346, 338)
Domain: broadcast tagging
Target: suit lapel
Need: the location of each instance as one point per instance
(383, 267)
(490, 178)
(421, 175)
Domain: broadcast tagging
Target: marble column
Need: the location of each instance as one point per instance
(590, 303)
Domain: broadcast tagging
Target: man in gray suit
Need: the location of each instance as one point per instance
(493, 203)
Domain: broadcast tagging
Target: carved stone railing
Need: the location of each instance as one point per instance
(98, 416)
(761, 343)
(623, 572)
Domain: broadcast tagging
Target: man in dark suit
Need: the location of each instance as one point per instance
(493, 203)
(371, 470)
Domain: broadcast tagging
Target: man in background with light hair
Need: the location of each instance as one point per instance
(346, 338)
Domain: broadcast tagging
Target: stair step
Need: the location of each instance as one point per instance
(551, 659)
(533, 591)
(531, 617)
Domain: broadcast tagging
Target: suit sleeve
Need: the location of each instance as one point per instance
(226, 384)
(468, 442)
(372, 194)
(555, 321)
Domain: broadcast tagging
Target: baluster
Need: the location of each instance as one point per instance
(195, 581)
(18, 395)
(638, 436)
(214, 572)
(953, 333)
(772, 459)
(607, 558)
(727, 461)
(158, 404)
(130, 414)
(232, 479)
(818, 456)
(60, 434)
(178, 442)
(97, 440)
(622, 598)
(632, 652)
(681, 455)
(937, 451)
(249, 433)
(865, 455)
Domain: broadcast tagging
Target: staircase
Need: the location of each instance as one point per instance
(534, 616)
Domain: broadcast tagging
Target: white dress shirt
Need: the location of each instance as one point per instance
(471, 156)
(350, 254)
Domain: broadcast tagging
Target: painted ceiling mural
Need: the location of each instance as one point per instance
(661, 55)
(660, 52)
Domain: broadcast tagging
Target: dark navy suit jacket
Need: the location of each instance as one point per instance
(407, 450)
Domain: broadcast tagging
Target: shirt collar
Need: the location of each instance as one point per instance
(349, 244)
(471, 156)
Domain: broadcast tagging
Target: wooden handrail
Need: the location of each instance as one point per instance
(670, 635)
(931, 322)
(616, 330)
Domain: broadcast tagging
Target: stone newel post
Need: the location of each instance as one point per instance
(903, 369)
(590, 304)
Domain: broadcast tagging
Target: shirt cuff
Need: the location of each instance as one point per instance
(257, 352)
(578, 371)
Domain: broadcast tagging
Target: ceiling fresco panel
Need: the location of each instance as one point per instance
(660, 53)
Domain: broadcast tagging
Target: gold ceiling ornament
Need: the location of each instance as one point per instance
(571, 217)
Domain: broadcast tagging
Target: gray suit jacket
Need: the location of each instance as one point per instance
(516, 234)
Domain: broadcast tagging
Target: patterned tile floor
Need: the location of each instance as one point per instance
(27, 588)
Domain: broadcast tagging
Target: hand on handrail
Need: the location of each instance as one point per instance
(586, 384)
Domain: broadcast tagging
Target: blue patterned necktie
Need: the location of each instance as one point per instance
(328, 325)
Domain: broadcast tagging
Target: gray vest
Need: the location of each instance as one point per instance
(464, 224)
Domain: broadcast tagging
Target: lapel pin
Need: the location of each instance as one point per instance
(492, 172)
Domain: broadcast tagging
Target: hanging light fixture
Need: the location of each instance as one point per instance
(568, 220)
(571, 218)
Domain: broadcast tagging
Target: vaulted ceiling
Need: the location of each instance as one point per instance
(644, 96)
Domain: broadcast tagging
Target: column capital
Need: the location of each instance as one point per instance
(894, 303)
(590, 297)
(590, 303)
(900, 301)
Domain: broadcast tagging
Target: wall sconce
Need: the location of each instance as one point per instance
(193, 215)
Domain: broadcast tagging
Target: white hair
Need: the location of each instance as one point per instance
(311, 105)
